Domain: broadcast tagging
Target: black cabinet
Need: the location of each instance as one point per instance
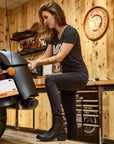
(87, 115)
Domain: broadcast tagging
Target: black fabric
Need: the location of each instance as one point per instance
(65, 81)
(61, 88)
(68, 99)
(73, 62)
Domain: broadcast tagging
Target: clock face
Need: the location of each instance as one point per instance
(95, 23)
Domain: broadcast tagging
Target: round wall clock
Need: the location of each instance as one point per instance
(96, 23)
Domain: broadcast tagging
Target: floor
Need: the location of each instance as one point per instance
(20, 137)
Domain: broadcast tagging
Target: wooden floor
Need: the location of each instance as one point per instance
(19, 137)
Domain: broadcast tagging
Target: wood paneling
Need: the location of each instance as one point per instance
(11, 117)
(43, 117)
(2, 28)
(110, 40)
(25, 118)
(98, 55)
(108, 115)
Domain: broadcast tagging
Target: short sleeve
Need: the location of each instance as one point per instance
(71, 36)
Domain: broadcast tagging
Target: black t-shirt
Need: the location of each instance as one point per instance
(73, 62)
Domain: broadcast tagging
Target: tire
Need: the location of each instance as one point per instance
(89, 130)
(3, 116)
(89, 133)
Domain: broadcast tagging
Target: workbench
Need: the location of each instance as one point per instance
(94, 108)
(101, 93)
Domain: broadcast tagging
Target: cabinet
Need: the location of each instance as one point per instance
(25, 119)
(108, 116)
(87, 114)
(39, 119)
(11, 117)
(95, 113)
(43, 116)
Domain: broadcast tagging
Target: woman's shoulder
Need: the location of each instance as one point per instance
(71, 30)
(69, 27)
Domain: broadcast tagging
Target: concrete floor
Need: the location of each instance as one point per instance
(20, 137)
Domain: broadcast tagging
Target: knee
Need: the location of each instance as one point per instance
(49, 79)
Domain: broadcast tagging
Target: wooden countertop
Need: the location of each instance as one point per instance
(90, 83)
(100, 82)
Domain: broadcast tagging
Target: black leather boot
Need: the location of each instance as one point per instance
(57, 131)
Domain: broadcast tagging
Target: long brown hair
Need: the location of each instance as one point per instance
(56, 10)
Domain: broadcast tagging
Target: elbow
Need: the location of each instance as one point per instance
(59, 59)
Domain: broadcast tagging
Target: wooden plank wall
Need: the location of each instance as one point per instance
(2, 29)
(98, 55)
(108, 115)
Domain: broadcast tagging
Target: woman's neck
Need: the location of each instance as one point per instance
(60, 30)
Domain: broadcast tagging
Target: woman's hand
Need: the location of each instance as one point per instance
(32, 64)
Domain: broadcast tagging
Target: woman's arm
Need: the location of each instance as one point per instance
(33, 63)
(48, 53)
(63, 52)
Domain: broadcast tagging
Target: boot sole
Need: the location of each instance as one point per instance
(59, 138)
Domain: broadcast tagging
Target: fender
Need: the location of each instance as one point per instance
(23, 77)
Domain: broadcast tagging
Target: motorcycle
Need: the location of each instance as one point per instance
(17, 88)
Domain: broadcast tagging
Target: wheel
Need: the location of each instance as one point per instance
(89, 133)
(3, 117)
(90, 130)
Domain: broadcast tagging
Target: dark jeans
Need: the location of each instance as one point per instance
(61, 89)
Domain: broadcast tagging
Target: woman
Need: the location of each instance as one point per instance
(64, 48)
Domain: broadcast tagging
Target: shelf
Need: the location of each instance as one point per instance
(23, 35)
(86, 124)
(32, 50)
(88, 91)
